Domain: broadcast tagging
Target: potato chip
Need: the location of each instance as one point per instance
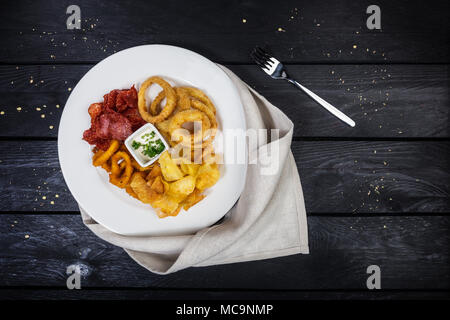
(130, 191)
(169, 168)
(207, 176)
(142, 190)
(166, 203)
(157, 185)
(182, 187)
(155, 172)
(192, 199)
(189, 168)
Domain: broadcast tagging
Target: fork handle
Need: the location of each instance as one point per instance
(324, 104)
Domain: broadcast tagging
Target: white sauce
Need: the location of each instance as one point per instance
(147, 138)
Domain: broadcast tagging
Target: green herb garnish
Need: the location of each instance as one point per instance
(135, 144)
(150, 148)
(153, 149)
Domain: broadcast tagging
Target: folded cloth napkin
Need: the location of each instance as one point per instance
(269, 219)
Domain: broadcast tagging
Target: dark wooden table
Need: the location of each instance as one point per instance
(376, 194)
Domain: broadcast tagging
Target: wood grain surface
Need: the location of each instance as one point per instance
(297, 31)
(341, 250)
(372, 177)
(378, 193)
(386, 101)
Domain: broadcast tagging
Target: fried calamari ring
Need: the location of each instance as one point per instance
(117, 177)
(134, 163)
(138, 167)
(102, 158)
(107, 165)
(97, 154)
(201, 96)
(189, 116)
(168, 108)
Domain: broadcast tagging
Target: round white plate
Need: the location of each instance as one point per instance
(113, 207)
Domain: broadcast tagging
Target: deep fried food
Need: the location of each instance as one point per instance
(157, 102)
(142, 190)
(117, 177)
(184, 102)
(169, 168)
(183, 135)
(155, 172)
(157, 185)
(167, 205)
(138, 167)
(101, 159)
(189, 168)
(201, 96)
(169, 94)
(207, 176)
(195, 197)
(182, 187)
(177, 179)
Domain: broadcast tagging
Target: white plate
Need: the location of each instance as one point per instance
(113, 207)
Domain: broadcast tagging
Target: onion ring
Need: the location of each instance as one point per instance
(200, 95)
(189, 116)
(168, 108)
(213, 129)
(184, 102)
(156, 102)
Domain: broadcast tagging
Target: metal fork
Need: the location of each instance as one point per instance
(276, 70)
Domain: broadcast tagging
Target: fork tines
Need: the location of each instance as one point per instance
(262, 58)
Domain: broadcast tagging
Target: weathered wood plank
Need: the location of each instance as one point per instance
(24, 293)
(395, 101)
(412, 253)
(296, 31)
(370, 177)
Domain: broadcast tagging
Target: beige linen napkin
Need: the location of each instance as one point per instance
(269, 219)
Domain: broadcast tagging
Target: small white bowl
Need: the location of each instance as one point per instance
(133, 151)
